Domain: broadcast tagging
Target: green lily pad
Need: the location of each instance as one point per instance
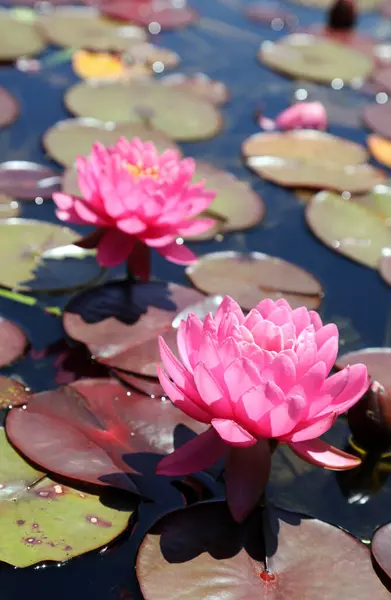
(82, 27)
(349, 227)
(18, 37)
(41, 520)
(361, 5)
(310, 159)
(183, 116)
(304, 56)
(39, 256)
(9, 207)
(209, 89)
(74, 137)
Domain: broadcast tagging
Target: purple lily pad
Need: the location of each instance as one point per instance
(381, 548)
(271, 14)
(144, 12)
(9, 108)
(13, 342)
(377, 117)
(27, 180)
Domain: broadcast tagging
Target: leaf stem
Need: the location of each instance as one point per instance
(29, 301)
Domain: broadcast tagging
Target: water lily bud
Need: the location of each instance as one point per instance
(370, 419)
(342, 15)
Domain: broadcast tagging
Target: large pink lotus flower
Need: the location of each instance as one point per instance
(138, 199)
(258, 381)
(302, 115)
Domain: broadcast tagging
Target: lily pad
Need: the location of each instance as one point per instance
(362, 5)
(348, 227)
(274, 554)
(153, 56)
(305, 56)
(18, 37)
(380, 149)
(377, 361)
(382, 78)
(106, 66)
(8, 207)
(377, 117)
(9, 106)
(181, 115)
(147, 385)
(28, 264)
(120, 321)
(95, 431)
(215, 92)
(381, 548)
(13, 342)
(256, 276)
(385, 265)
(74, 137)
(42, 520)
(310, 159)
(12, 393)
(271, 14)
(82, 27)
(163, 14)
(27, 180)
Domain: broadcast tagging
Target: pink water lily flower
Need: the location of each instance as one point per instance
(138, 199)
(302, 115)
(257, 380)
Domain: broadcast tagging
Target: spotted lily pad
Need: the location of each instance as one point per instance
(256, 276)
(305, 56)
(377, 117)
(377, 361)
(209, 89)
(12, 393)
(27, 180)
(42, 520)
(274, 554)
(13, 342)
(310, 159)
(351, 228)
(82, 27)
(164, 14)
(27, 262)
(181, 115)
(74, 137)
(18, 37)
(9, 106)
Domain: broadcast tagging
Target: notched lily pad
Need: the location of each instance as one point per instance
(74, 137)
(39, 256)
(377, 117)
(12, 393)
(13, 342)
(310, 159)
(215, 92)
(27, 180)
(181, 115)
(352, 228)
(42, 520)
(9, 106)
(377, 361)
(163, 13)
(256, 276)
(82, 27)
(18, 37)
(309, 57)
(274, 554)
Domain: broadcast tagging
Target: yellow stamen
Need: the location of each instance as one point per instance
(138, 171)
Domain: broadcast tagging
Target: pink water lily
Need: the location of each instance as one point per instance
(302, 115)
(258, 380)
(138, 200)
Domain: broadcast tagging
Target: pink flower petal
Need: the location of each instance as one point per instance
(195, 226)
(241, 376)
(180, 400)
(247, 472)
(192, 340)
(88, 215)
(320, 453)
(356, 386)
(182, 378)
(328, 353)
(198, 454)
(63, 201)
(229, 306)
(178, 254)
(284, 417)
(131, 225)
(308, 430)
(114, 248)
(233, 434)
(214, 396)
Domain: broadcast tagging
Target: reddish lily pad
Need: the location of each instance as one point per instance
(147, 385)
(120, 321)
(42, 520)
(95, 430)
(382, 78)
(181, 115)
(381, 548)
(385, 265)
(74, 137)
(8, 207)
(269, 556)
(305, 56)
(13, 342)
(12, 393)
(310, 159)
(351, 228)
(9, 108)
(215, 92)
(27, 180)
(18, 37)
(256, 276)
(82, 27)
(40, 256)
(164, 14)
(362, 5)
(377, 117)
(377, 361)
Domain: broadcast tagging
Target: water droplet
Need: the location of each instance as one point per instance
(301, 94)
(337, 84)
(346, 195)
(58, 489)
(381, 98)
(267, 577)
(158, 66)
(154, 28)
(38, 200)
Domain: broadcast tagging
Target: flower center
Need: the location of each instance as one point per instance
(138, 170)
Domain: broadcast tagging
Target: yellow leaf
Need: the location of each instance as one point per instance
(380, 149)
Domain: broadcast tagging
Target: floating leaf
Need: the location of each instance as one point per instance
(42, 520)
(18, 37)
(24, 266)
(377, 117)
(362, 5)
(8, 207)
(215, 92)
(99, 65)
(82, 27)
(271, 14)
(146, 385)
(256, 276)
(309, 57)
(385, 265)
(9, 106)
(13, 342)
(348, 227)
(152, 56)
(192, 119)
(310, 159)
(380, 149)
(377, 361)
(96, 431)
(381, 548)
(12, 393)
(27, 180)
(165, 14)
(74, 137)
(274, 554)
(119, 322)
